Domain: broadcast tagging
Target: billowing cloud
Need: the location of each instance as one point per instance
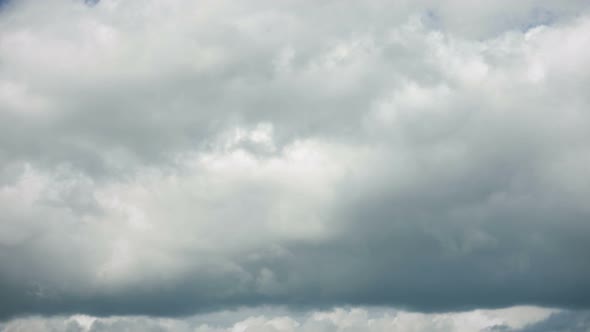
(340, 319)
(172, 157)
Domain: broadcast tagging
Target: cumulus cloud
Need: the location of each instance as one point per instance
(341, 319)
(172, 157)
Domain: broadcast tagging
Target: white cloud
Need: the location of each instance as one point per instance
(340, 319)
(195, 155)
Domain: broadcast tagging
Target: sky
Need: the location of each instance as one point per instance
(287, 166)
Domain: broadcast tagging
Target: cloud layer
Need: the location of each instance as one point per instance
(516, 319)
(167, 158)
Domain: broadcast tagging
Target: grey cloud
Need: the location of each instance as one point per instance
(568, 321)
(146, 100)
(170, 158)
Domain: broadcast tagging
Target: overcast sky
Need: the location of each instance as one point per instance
(294, 165)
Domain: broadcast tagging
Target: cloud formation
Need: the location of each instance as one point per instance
(166, 158)
(516, 319)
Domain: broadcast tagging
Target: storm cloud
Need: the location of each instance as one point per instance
(167, 158)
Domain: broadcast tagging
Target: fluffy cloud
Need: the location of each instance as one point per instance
(165, 158)
(353, 319)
